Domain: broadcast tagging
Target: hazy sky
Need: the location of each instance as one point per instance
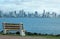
(31, 5)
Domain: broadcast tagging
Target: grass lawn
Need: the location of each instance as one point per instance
(34, 37)
(28, 36)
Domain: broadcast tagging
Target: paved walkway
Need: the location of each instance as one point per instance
(18, 37)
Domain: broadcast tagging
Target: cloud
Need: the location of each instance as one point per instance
(32, 5)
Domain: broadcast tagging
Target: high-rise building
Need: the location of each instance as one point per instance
(1, 13)
(11, 14)
(58, 16)
(47, 14)
(54, 14)
(43, 15)
(25, 15)
(21, 13)
(36, 14)
(5, 15)
(15, 14)
(29, 14)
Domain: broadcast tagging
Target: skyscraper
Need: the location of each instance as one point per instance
(21, 13)
(48, 14)
(36, 14)
(1, 13)
(43, 15)
(54, 14)
(15, 14)
(11, 14)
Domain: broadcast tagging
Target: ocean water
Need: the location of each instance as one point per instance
(38, 25)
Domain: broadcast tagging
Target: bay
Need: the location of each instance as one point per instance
(38, 25)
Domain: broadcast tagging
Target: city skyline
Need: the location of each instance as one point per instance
(22, 13)
(31, 5)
